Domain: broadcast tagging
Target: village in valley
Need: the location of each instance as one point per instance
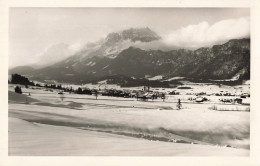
(188, 93)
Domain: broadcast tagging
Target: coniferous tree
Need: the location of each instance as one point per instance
(18, 89)
(79, 91)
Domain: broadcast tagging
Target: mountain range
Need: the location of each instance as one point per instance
(120, 54)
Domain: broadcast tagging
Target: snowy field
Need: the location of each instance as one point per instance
(47, 123)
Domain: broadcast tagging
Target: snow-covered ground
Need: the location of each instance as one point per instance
(33, 139)
(46, 123)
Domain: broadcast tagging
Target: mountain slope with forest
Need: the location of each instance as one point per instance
(111, 58)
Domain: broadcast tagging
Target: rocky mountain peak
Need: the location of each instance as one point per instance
(133, 34)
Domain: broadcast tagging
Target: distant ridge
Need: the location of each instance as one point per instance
(21, 69)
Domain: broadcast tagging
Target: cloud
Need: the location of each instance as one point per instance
(75, 47)
(53, 54)
(204, 34)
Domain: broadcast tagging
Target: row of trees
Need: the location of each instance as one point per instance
(83, 91)
(53, 86)
(69, 89)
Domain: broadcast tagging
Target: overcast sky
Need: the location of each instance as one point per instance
(33, 30)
